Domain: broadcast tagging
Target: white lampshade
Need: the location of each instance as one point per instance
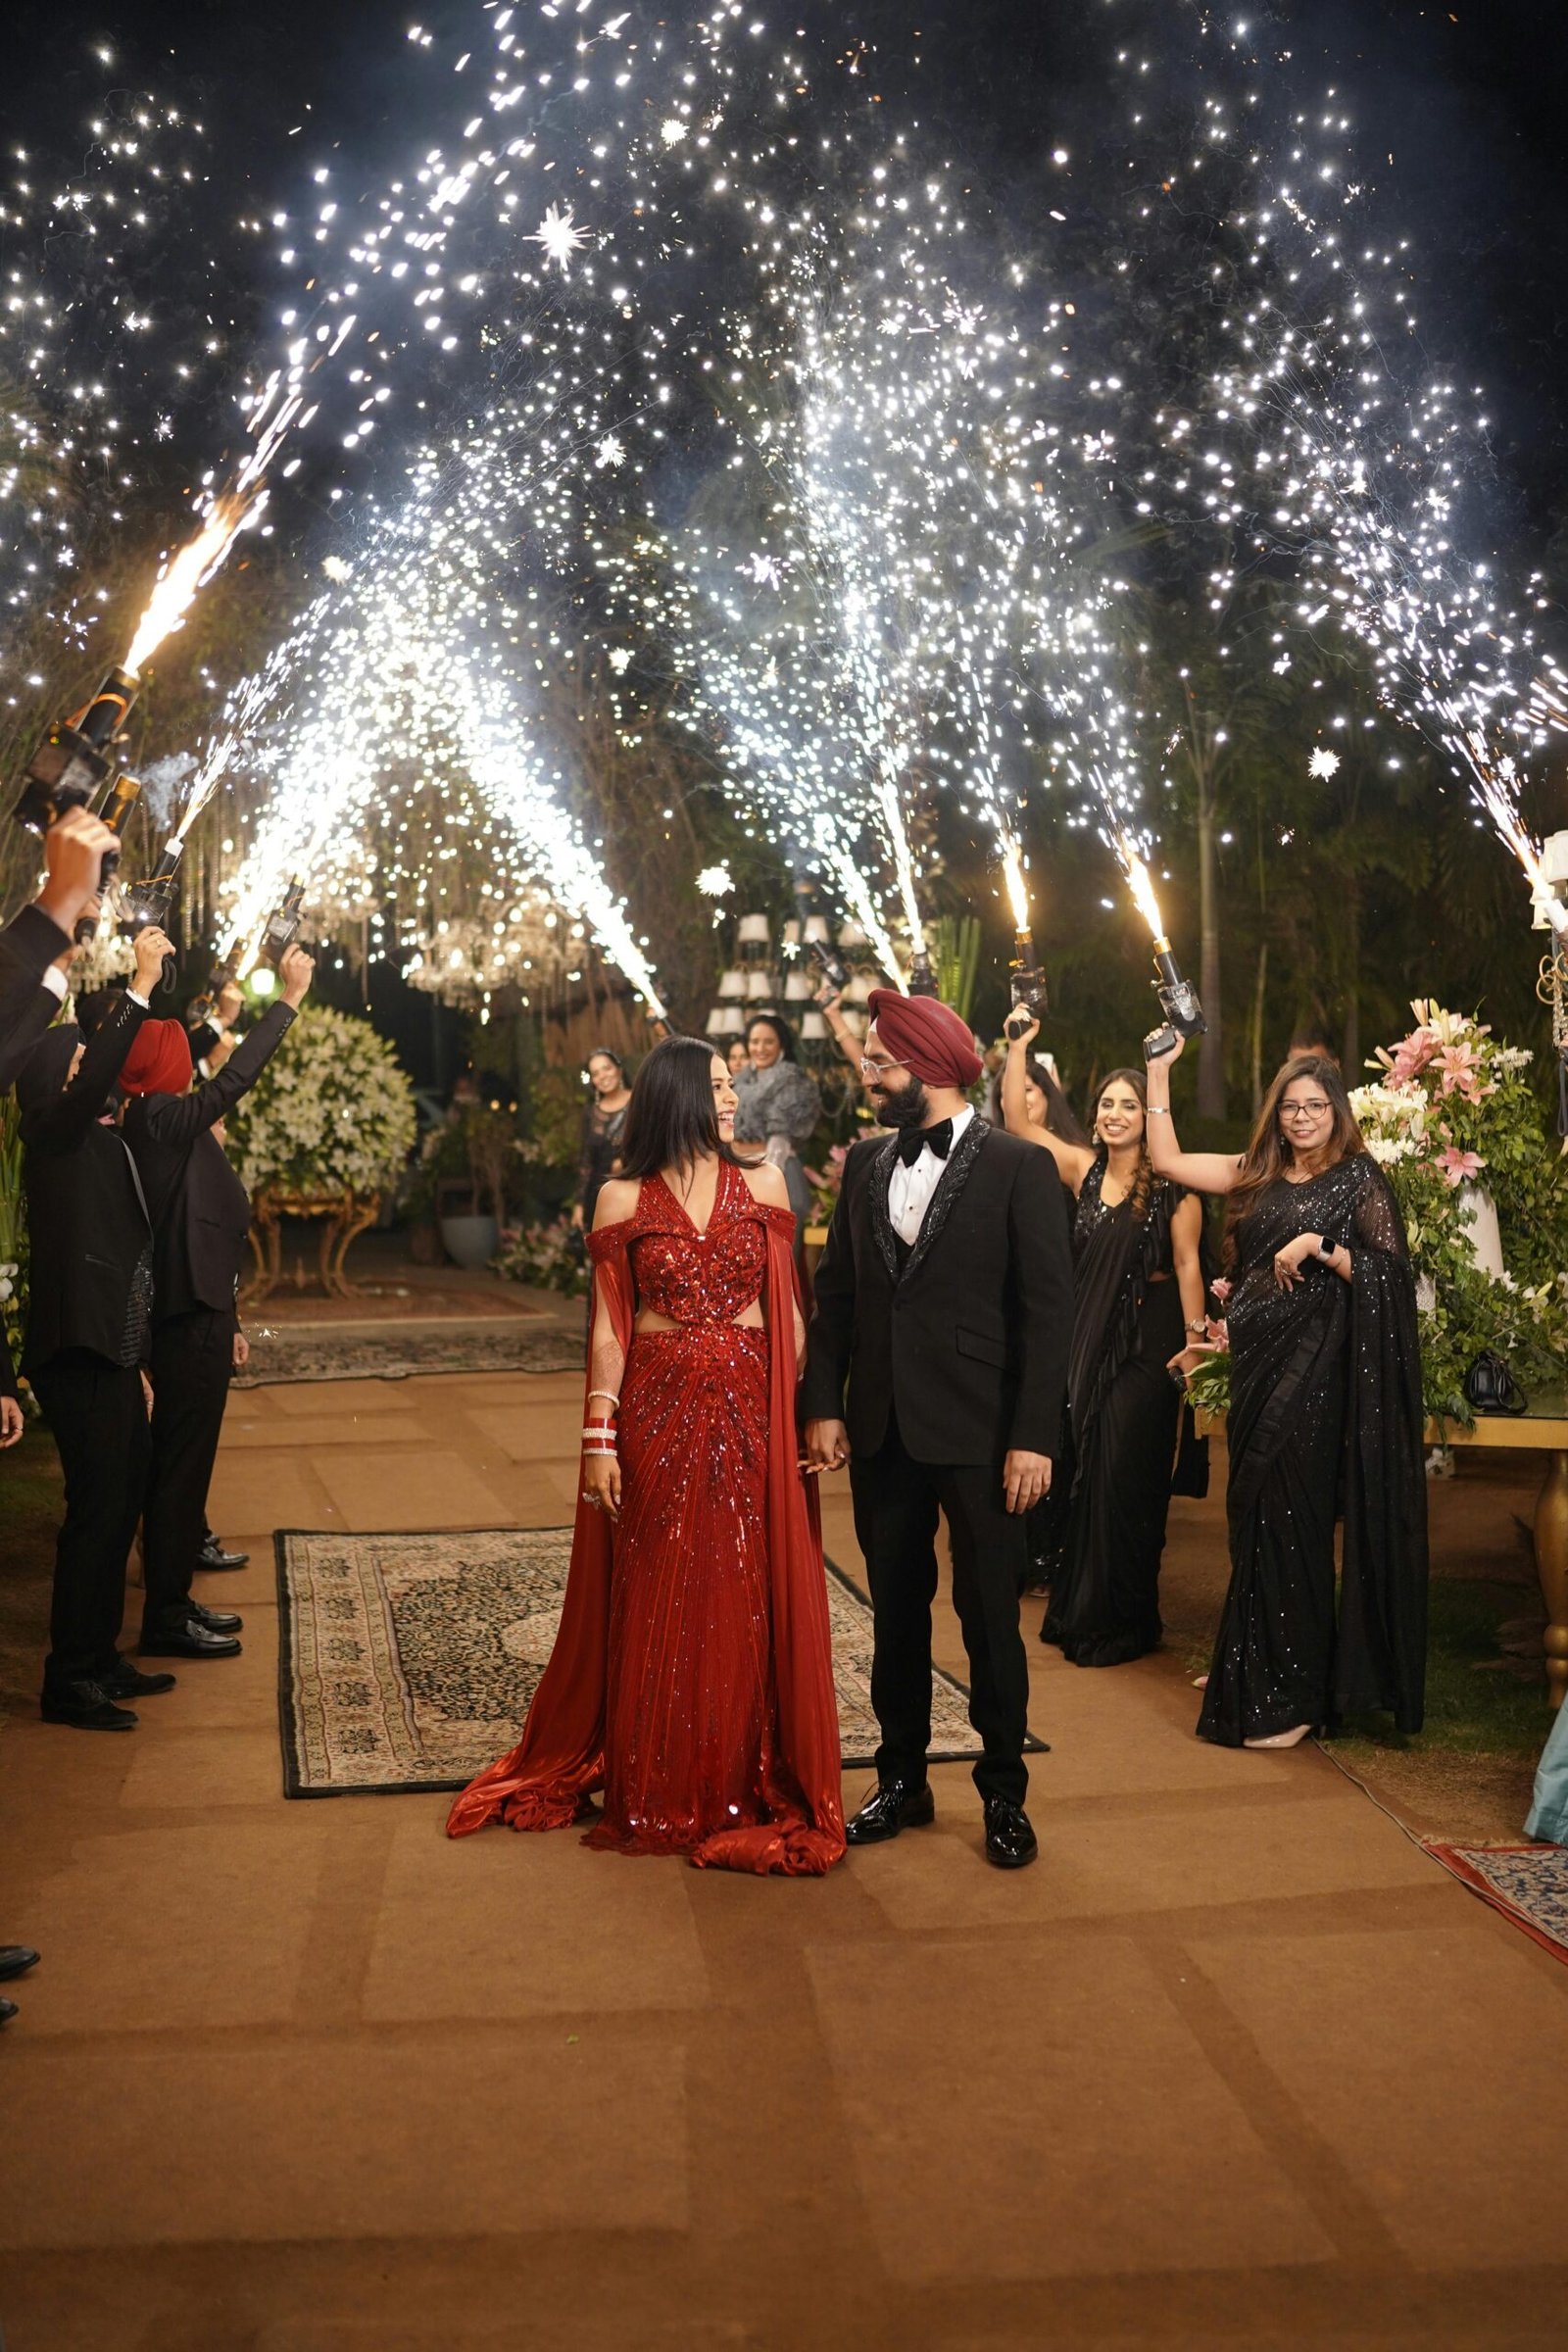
(817, 928)
(717, 1021)
(759, 984)
(733, 1019)
(856, 1023)
(812, 1027)
(850, 935)
(790, 935)
(799, 988)
(751, 931)
(733, 982)
(856, 990)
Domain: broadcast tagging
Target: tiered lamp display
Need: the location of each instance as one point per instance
(757, 981)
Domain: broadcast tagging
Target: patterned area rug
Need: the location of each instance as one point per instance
(1526, 1883)
(280, 1354)
(408, 1661)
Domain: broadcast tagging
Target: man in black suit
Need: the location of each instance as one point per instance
(943, 1299)
(201, 1216)
(73, 852)
(89, 1321)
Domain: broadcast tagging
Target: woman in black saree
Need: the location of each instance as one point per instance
(1136, 1282)
(1325, 1420)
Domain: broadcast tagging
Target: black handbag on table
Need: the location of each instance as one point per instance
(1490, 1387)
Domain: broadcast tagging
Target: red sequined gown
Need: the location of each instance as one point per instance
(692, 1677)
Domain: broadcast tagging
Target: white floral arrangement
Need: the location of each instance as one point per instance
(332, 1112)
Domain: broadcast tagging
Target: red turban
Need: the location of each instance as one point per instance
(159, 1061)
(927, 1037)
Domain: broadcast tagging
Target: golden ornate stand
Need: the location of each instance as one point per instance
(345, 1216)
(1543, 1430)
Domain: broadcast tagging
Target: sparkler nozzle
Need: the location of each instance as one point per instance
(151, 901)
(281, 926)
(922, 980)
(1178, 1002)
(72, 761)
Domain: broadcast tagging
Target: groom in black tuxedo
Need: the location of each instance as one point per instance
(944, 1303)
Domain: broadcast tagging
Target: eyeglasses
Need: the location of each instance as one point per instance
(1305, 1111)
(877, 1066)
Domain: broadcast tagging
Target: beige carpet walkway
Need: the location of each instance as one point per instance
(1234, 2065)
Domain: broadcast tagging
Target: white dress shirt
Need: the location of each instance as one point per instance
(909, 1189)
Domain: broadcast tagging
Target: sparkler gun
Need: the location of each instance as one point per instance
(119, 802)
(73, 762)
(281, 926)
(1026, 980)
(151, 901)
(1178, 1002)
(832, 967)
(203, 1008)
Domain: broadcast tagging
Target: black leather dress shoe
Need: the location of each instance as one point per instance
(86, 1706)
(1009, 1841)
(131, 1682)
(16, 1960)
(213, 1556)
(191, 1639)
(8, 2010)
(216, 1621)
(892, 1806)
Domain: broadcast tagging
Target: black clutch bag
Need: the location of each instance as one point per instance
(1189, 1476)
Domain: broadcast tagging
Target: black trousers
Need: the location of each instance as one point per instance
(896, 1506)
(98, 1416)
(193, 1358)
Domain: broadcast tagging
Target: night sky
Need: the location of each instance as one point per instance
(1470, 103)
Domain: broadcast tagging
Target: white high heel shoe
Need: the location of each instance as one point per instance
(1290, 1739)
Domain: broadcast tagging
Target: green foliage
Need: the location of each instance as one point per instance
(955, 961)
(332, 1112)
(555, 1117)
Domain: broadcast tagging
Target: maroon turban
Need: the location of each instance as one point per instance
(159, 1061)
(927, 1037)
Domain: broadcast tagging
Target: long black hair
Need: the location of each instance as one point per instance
(780, 1028)
(1061, 1117)
(671, 1120)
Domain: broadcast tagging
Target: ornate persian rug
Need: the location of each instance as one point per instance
(1526, 1883)
(409, 1661)
(280, 1354)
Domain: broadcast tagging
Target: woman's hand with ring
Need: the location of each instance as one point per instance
(601, 1483)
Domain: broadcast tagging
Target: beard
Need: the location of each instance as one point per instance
(903, 1108)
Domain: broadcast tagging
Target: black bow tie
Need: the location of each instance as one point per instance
(915, 1141)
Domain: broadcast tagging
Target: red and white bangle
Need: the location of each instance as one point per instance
(599, 1437)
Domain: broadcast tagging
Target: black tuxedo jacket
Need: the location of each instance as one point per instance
(28, 946)
(967, 1344)
(85, 1218)
(201, 1212)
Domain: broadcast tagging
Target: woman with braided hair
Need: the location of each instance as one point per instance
(1137, 1281)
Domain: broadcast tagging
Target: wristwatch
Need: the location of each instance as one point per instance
(1326, 1249)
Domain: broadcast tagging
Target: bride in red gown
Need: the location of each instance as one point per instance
(692, 1677)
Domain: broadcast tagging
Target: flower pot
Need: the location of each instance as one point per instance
(471, 1241)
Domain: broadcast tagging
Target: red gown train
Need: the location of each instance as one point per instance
(692, 1676)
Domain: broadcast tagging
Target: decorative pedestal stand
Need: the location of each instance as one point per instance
(344, 1215)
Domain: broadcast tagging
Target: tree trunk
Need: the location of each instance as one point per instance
(1259, 994)
(1210, 1047)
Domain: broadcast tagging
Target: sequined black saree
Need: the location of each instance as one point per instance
(1325, 1421)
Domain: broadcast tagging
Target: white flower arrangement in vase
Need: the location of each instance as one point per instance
(332, 1111)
